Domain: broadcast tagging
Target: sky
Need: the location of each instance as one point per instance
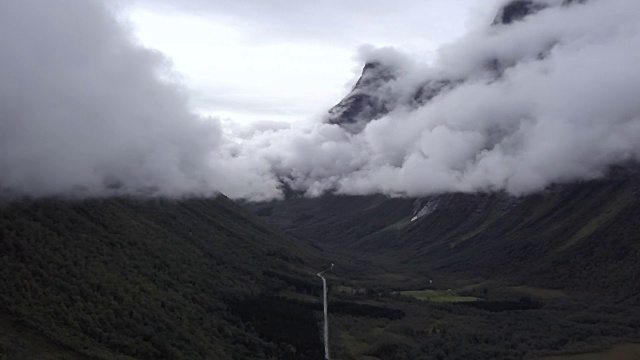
(197, 98)
(289, 61)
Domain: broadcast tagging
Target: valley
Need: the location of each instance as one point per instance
(476, 201)
(479, 276)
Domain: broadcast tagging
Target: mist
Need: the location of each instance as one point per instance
(547, 100)
(86, 110)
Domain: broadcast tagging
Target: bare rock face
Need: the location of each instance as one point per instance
(516, 11)
(365, 102)
(374, 96)
(570, 2)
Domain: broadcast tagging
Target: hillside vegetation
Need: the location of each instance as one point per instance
(583, 237)
(542, 275)
(144, 279)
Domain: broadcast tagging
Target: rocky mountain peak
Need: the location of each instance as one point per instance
(365, 101)
(516, 11)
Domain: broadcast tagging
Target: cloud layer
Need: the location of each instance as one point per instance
(83, 110)
(549, 99)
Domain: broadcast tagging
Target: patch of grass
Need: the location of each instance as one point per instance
(353, 344)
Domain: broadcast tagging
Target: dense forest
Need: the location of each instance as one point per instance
(148, 279)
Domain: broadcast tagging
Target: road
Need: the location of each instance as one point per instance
(326, 319)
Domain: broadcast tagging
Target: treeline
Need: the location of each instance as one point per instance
(349, 308)
(524, 303)
(301, 285)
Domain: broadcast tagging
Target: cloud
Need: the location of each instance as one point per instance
(549, 99)
(83, 111)
(332, 21)
(517, 107)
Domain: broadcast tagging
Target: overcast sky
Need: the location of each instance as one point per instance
(199, 97)
(284, 60)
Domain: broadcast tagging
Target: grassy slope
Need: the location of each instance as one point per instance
(584, 237)
(120, 278)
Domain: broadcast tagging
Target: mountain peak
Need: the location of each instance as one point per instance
(516, 11)
(365, 101)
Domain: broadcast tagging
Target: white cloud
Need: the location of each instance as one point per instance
(83, 110)
(549, 99)
(559, 106)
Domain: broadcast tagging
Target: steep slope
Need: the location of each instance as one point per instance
(583, 237)
(366, 101)
(145, 279)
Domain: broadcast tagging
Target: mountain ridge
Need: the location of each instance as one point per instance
(486, 234)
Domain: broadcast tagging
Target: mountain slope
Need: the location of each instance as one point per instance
(583, 237)
(144, 279)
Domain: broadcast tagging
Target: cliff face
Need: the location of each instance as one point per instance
(516, 11)
(367, 100)
(374, 95)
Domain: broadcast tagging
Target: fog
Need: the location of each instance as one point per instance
(85, 110)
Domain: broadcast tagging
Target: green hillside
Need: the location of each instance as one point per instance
(144, 279)
(582, 237)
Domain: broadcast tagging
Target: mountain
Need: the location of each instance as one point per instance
(516, 11)
(544, 271)
(581, 237)
(551, 273)
(376, 93)
(457, 275)
(363, 103)
(123, 278)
